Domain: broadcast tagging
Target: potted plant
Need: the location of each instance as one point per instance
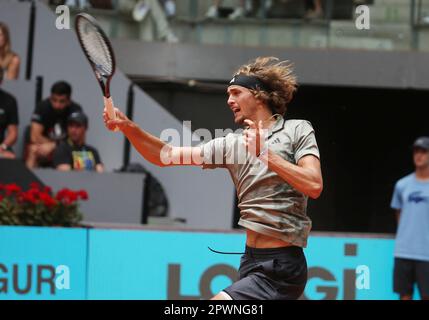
(39, 206)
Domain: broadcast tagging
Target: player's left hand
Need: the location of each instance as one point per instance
(254, 137)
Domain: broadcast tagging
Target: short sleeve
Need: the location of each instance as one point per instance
(38, 114)
(61, 155)
(74, 107)
(305, 141)
(396, 202)
(213, 153)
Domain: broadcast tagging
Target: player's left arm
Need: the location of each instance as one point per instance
(305, 176)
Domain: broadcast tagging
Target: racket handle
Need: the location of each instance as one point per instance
(108, 104)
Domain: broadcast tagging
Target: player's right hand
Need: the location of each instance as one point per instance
(122, 122)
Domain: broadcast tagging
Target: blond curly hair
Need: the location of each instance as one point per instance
(277, 76)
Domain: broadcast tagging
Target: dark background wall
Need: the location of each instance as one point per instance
(364, 136)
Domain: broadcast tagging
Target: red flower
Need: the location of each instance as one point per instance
(67, 196)
(35, 185)
(82, 194)
(1, 197)
(31, 196)
(61, 194)
(47, 200)
(12, 188)
(47, 189)
(1, 186)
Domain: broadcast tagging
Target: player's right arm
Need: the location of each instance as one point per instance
(152, 148)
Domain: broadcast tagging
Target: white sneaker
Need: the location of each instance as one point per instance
(237, 13)
(171, 38)
(140, 10)
(212, 13)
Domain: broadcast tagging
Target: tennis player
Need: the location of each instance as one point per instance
(281, 170)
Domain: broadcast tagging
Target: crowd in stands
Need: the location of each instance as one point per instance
(56, 136)
(258, 8)
(161, 11)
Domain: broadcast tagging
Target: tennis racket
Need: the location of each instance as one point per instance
(98, 50)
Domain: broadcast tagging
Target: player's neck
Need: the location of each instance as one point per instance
(422, 173)
(267, 119)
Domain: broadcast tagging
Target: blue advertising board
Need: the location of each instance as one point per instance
(172, 265)
(42, 263)
(160, 265)
(63, 263)
(350, 268)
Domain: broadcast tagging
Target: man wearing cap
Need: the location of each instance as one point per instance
(411, 203)
(73, 153)
(274, 164)
(48, 125)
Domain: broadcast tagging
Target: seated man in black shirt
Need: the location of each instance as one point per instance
(48, 125)
(8, 122)
(73, 153)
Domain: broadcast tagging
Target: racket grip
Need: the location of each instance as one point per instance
(108, 104)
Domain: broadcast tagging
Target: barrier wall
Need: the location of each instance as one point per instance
(113, 197)
(38, 263)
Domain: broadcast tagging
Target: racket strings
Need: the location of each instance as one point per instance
(96, 48)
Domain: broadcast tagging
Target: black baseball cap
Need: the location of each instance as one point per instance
(421, 143)
(78, 117)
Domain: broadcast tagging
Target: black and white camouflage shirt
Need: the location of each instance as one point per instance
(267, 203)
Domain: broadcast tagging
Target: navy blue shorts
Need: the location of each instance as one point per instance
(407, 273)
(270, 274)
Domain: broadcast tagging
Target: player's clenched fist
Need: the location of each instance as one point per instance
(255, 137)
(121, 122)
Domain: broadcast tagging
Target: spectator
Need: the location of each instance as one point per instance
(48, 125)
(81, 4)
(9, 61)
(72, 153)
(411, 202)
(143, 8)
(314, 9)
(8, 122)
(213, 11)
(169, 8)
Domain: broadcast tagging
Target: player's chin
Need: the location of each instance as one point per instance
(239, 119)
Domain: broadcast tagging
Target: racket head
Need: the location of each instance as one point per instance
(97, 48)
